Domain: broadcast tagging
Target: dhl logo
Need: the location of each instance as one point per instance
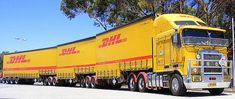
(115, 39)
(69, 51)
(18, 59)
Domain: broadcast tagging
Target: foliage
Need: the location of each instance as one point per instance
(112, 13)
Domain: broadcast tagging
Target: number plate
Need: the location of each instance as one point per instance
(212, 84)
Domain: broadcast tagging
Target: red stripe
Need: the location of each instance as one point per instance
(84, 65)
(31, 68)
(124, 60)
(77, 66)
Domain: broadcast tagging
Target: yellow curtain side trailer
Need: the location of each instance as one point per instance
(76, 61)
(24, 67)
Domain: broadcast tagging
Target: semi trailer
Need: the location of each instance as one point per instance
(178, 52)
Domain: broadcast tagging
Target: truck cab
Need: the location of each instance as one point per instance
(191, 54)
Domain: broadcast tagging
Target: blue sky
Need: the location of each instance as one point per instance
(41, 23)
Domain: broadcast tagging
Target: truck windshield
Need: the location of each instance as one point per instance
(204, 37)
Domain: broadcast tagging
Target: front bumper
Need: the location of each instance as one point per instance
(205, 85)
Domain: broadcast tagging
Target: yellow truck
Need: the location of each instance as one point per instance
(170, 51)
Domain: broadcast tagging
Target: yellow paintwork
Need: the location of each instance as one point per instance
(85, 55)
(38, 58)
(166, 53)
(137, 43)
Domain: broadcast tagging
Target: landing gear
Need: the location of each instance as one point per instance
(216, 91)
(177, 87)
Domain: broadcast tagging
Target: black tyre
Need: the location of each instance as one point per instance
(132, 86)
(45, 81)
(49, 81)
(82, 83)
(177, 87)
(88, 82)
(141, 84)
(16, 81)
(11, 81)
(54, 82)
(93, 82)
(117, 86)
(216, 91)
(7, 81)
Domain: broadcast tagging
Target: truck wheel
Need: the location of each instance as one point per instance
(16, 80)
(4, 80)
(141, 84)
(93, 82)
(45, 81)
(50, 80)
(117, 86)
(132, 84)
(216, 91)
(82, 82)
(11, 81)
(88, 82)
(54, 81)
(7, 81)
(177, 86)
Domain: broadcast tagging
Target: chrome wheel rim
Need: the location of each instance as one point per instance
(175, 84)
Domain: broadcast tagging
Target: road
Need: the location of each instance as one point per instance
(52, 92)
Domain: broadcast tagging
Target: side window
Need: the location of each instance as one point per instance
(176, 40)
(202, 24)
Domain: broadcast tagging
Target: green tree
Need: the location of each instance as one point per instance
(112, 13)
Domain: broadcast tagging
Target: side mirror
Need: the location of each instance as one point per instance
(176, 39)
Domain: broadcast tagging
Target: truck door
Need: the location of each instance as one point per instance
(163, 52)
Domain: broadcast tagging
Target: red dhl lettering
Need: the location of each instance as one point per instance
(69, 51)
(18, 59)
(115, 39)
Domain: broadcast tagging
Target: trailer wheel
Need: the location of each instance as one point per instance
(177, 86)
(88, 82)
(4, 80)
(7, 81)
(132, 86)
(45, 81)
(16, 81)
(216, 91)
(93, 82)
(141, 84)
(82, 82)
(11, 81)
(54, 81)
